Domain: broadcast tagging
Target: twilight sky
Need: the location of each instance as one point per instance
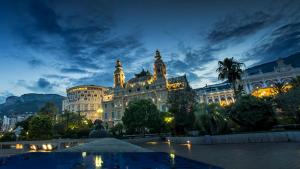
(49, 45)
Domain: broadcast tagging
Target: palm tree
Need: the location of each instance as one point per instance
(295, 82)
(279, 87)
(231, 70)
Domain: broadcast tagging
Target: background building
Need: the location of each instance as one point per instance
(85, 100)
(259, 80)
(144, 85)
(221, 93)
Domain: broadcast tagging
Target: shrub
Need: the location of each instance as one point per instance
(253, 114)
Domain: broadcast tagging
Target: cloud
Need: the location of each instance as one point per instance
(4, 95)
(45, 18)
(73, 70)
(239, 26)
(35, 62)
(281, 42)
(41, 85)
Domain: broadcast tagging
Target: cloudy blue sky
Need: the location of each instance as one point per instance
(49, 45)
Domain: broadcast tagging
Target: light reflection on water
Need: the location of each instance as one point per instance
(98, 161)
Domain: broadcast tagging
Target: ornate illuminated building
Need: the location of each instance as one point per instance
(221, 93)
(85, 100)
(260, 80)
(144, 85)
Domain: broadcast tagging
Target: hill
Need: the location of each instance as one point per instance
(31, 102)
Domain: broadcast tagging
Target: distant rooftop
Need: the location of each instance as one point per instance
(293, 60)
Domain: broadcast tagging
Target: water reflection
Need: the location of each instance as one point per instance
(98, 161)
(83, 154)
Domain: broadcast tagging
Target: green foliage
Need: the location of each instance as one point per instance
(117, 130)
(296, 82)
(98, 130)
(182, 106)
(289, 102)
(168, 122)
(231, 70)
(253, 114)
(40, 128)
(8, 136)
(72, 125)
(210, 119)
(142, 115)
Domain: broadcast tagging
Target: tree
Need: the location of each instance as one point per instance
(141, 116)
(210, 119)
(117, 130)
(49, 109)
(231, 70)
(253, 114)
(182, 105)
(8, 136)
(295, 82)
(289, 102)
(279, 88)
(40, 127)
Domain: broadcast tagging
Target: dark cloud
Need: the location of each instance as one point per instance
(282, 42)
(41, 85)
(239, 26)
(73, 70)
(35, 62)
(45, 18)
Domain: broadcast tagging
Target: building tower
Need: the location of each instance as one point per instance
(159, 67)
(119, 77)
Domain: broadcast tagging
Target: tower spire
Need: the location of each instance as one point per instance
(119, 77)
(157, 54)
(159, 67)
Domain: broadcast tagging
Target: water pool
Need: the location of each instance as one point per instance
(84, 160)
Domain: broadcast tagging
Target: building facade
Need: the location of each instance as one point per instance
(144, 85)
(259, 80)
(85, 100)
(221, 93)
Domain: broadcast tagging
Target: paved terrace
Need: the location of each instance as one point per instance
(236, 156)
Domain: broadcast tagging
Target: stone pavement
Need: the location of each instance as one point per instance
(237, 156)
(106, 145)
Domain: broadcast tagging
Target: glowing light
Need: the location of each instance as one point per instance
(33, 147)
(83, 154)
(172, 155)
(49, 147)
(168, 119)
(152, 142)
(188, 142)
(100, 110)
(19, 146)
(67, 146)
(44, 146)
(98, 161)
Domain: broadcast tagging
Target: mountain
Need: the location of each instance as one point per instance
(31, 102)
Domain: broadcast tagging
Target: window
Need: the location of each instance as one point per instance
(147, 87)
(129, 90)
(105, 105)
(138, 89)
(105, 115)
(113, 115)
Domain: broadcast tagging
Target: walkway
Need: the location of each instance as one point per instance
(237, 156)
